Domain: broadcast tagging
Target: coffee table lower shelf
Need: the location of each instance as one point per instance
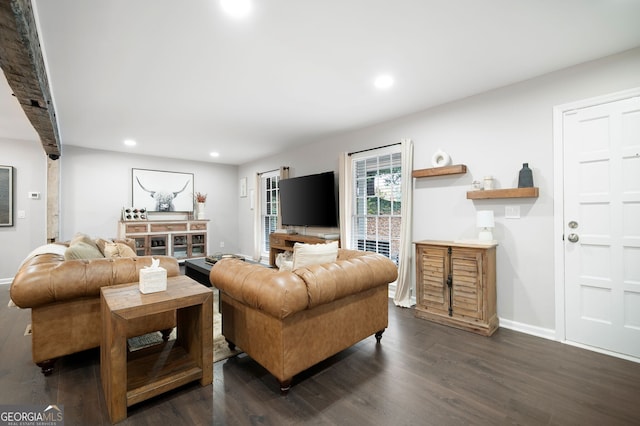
(146, 379)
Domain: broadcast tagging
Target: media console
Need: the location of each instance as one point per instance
(280, 243)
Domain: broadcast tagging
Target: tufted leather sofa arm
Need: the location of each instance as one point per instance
(49, 278)
(284, 293)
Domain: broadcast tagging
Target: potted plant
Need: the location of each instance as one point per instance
(200, 199)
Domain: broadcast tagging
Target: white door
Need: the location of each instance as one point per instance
(602, 226)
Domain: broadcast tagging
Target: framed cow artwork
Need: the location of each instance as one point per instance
(161, 191)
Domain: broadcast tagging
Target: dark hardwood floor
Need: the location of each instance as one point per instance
(421, 374)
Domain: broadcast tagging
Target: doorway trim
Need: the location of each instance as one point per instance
(558, 207)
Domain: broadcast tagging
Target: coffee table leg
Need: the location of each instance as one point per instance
(195, 334)
(113, 365)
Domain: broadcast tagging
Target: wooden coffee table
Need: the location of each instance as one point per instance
(131, 378)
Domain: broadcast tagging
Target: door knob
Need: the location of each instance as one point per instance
(573, 238)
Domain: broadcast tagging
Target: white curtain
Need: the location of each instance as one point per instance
(402, 296)
(257, 218)
(284, 174)
(345, 183)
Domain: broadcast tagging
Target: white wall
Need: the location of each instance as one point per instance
(30, 174)
(95, 185)
(493, 134)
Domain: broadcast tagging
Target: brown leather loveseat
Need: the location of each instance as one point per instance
(288, 321)
(64, 297)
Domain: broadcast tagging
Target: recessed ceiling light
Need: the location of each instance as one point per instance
(383, 81)
(236, 8)
(130, 142)
(214, 154)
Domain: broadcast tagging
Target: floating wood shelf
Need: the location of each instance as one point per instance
(440, 171)
(503, 193)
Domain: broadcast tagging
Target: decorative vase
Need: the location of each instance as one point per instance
(525, 178)
(200, 211)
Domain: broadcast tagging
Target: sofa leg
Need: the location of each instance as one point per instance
(379, 335)
(166, 333)
(285, 385)
(46, 366)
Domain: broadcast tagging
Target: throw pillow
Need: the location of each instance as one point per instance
(118, 250)
(284, 261)
(82, 238)
(101, 243)
(82, 250)
(314, 254)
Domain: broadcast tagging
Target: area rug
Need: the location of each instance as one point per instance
(221, 350)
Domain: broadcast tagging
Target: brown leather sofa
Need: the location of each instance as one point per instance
(64, 297)
(288, 321)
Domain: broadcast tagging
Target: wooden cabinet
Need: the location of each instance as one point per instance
(456, 285)
(182, 239)
(279, 243)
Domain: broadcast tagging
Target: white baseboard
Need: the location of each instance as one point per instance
(602, 351)
(545, 333)
(550, 334)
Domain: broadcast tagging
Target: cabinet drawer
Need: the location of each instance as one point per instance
(168, 227)
(198, 226)
(136, 228)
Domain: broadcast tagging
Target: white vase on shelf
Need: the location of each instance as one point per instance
(200, 211)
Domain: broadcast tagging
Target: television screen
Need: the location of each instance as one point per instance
(309, 200)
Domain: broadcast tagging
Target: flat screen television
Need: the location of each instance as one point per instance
(309, 200)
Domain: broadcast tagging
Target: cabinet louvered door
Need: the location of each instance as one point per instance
(456, 285)
(467, 289)
(433, 270)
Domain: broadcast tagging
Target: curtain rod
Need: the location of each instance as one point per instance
(373, 149)
(274, 170)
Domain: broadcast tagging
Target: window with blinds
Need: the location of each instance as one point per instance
(270, 206)
(378, 207)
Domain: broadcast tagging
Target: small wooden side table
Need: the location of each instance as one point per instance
(131, 378)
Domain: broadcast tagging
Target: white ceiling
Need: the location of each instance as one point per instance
(183, 79)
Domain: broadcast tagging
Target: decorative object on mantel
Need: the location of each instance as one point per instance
(476, 185)
(134, 213)
(525, 178)
(440, 159)
(484, 220)
(201, 199)
(488, 182)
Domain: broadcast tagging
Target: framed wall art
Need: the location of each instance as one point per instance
(243, 187)
(6, 196)
(160, 191)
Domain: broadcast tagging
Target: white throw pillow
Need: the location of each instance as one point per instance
(284, 261)
(314, 254)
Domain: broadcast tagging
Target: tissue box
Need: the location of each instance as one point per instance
(153, 280)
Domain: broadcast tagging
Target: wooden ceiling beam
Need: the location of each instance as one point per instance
(23, 65)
